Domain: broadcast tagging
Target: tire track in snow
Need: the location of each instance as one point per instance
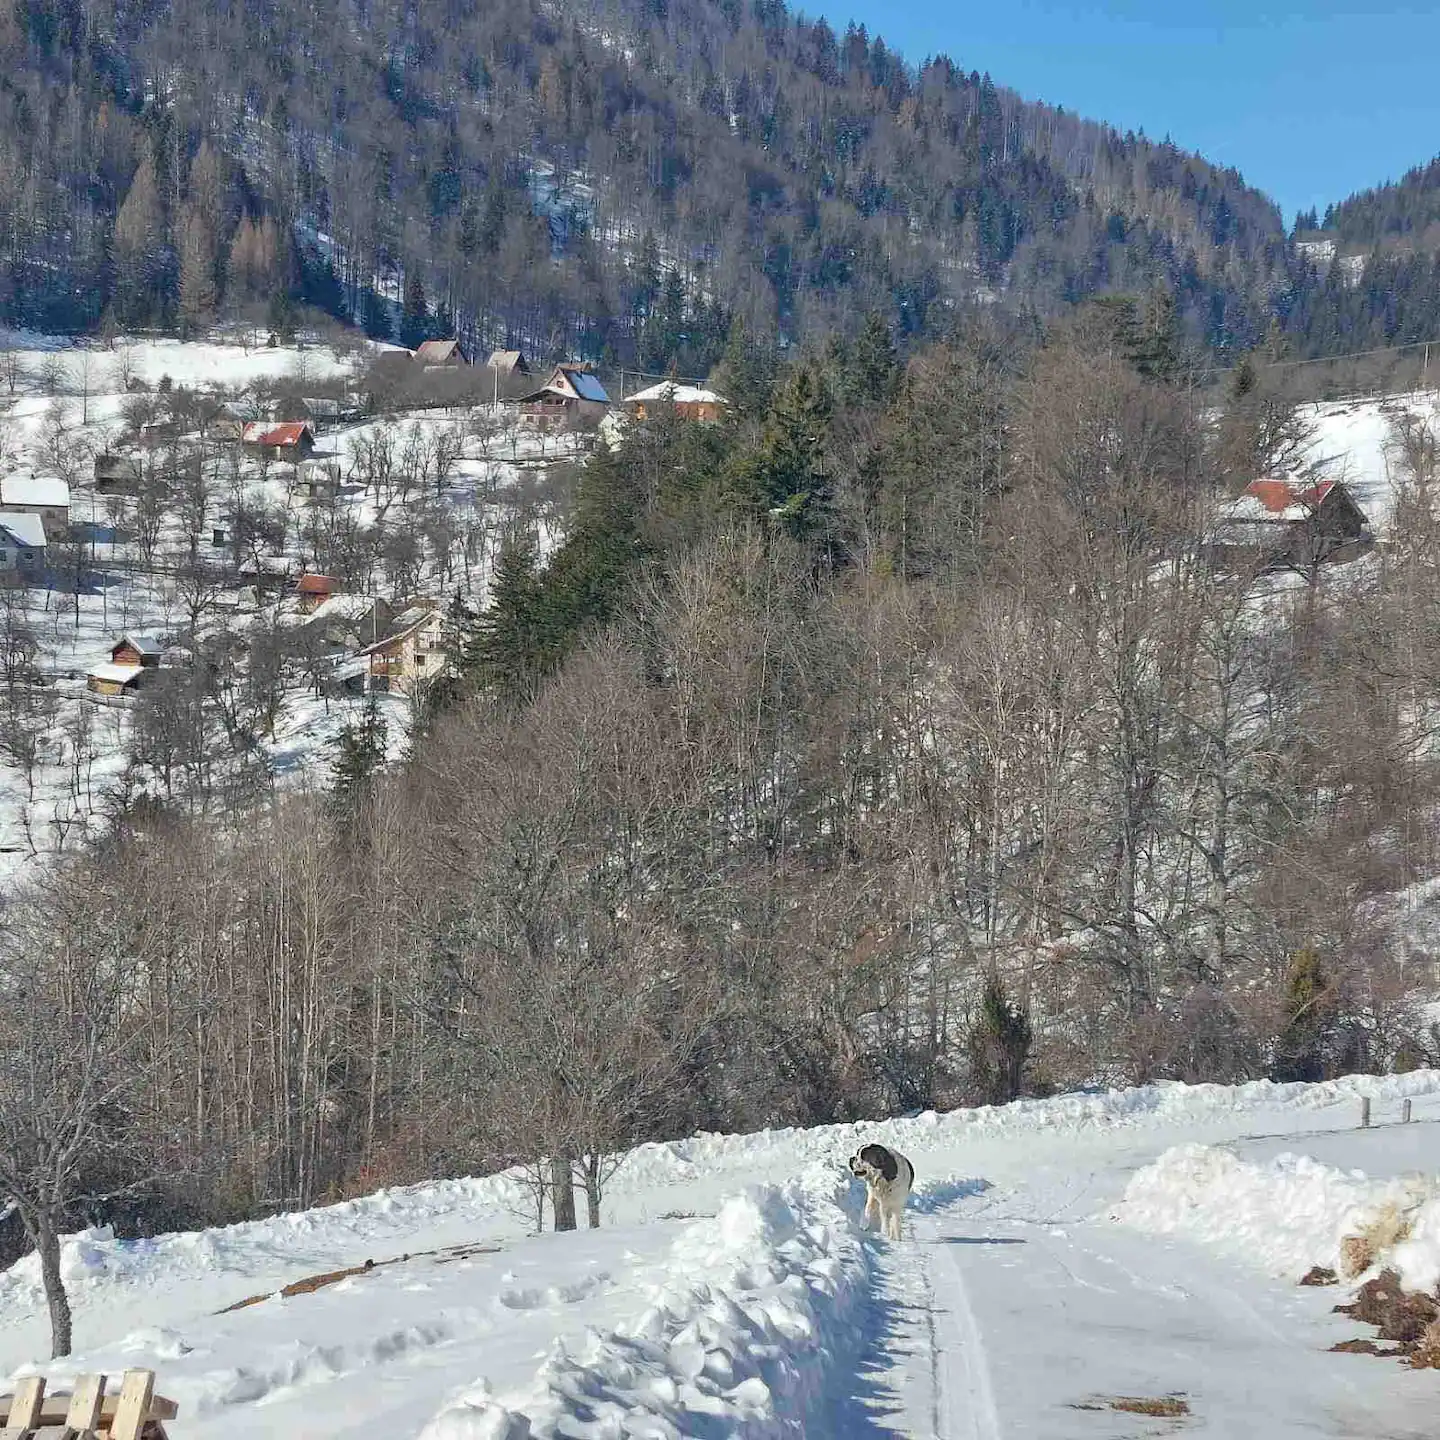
(964, 1391)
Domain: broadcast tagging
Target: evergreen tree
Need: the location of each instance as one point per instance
(1309, 1018)
(510, 649)
(784, 476)
(999, 1045)
(1155, 351)
(745, 375)
(281, 316)
(588, 573)
(870, 370)
(359, 756)
(414, 314)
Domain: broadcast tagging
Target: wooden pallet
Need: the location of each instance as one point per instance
(132, 1412)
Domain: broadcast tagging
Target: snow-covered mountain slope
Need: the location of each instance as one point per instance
(732, 1293)
(1355, 441)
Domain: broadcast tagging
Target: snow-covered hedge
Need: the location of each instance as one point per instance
(1288, 1214)
(759, 1312)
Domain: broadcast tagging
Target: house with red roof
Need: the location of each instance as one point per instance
(292, 440)
(1297, 522)
(313, 590)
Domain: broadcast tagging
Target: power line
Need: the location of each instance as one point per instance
(1328, 359)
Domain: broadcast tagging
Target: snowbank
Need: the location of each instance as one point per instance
(1162, 1105)
(742, 1339)
(95, 1259)
(1287, 1214)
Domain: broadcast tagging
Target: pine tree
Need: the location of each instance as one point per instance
(999, 1045)
(745, 375)
(510, 649)
(784, 476)
(1156, 350)
(359, 756)
(870, 371)
(1309, 1017)
(587, 576)
(414, 314)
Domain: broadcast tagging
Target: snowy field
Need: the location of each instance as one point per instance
(1354, 442)
(1061, 1254)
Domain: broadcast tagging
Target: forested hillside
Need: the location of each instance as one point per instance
(893, 743)
(1408, 208)
(1376, 278)
(592, 176)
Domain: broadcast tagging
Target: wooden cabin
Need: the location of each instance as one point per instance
(117, 474)
(1294, 522)
(441, 354)
(314, 590)
(572, 394)
(142, 650)
(508, 364)
(111, 679)
(318, 479)
(412, 654)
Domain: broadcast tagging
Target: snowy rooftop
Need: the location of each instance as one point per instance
(1280, 501)
(437, 352)
(262, 432)
(342, 607)
(116, 674)
(47, 490)
(28, 530)
(669, 391)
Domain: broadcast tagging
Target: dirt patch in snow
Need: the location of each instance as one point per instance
(1409, 1320)
(1167, 1407)
(1164, 1407)
(1319, 1275)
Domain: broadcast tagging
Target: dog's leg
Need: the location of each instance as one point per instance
(872, 1210)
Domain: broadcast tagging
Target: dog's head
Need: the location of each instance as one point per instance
(873, 1163)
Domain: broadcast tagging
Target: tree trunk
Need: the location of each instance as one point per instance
(47, 1243)
(592, 1191)
(562, 1185)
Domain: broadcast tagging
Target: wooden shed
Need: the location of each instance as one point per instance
(1293, 522)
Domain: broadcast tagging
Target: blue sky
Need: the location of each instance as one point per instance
(1309, 101)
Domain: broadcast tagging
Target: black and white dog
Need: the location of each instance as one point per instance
(888, 1179)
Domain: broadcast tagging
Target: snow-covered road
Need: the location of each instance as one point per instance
(1062, 1255)
(1024, 1309)
(995, 1321)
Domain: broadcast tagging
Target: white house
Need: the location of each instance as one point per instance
(22, 547)
(47, 496)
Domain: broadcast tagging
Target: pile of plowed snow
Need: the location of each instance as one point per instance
(1290, 1213)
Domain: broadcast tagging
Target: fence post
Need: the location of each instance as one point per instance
(1405, 1113)
(1365, 1113)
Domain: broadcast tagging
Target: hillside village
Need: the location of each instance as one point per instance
(213, 556)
